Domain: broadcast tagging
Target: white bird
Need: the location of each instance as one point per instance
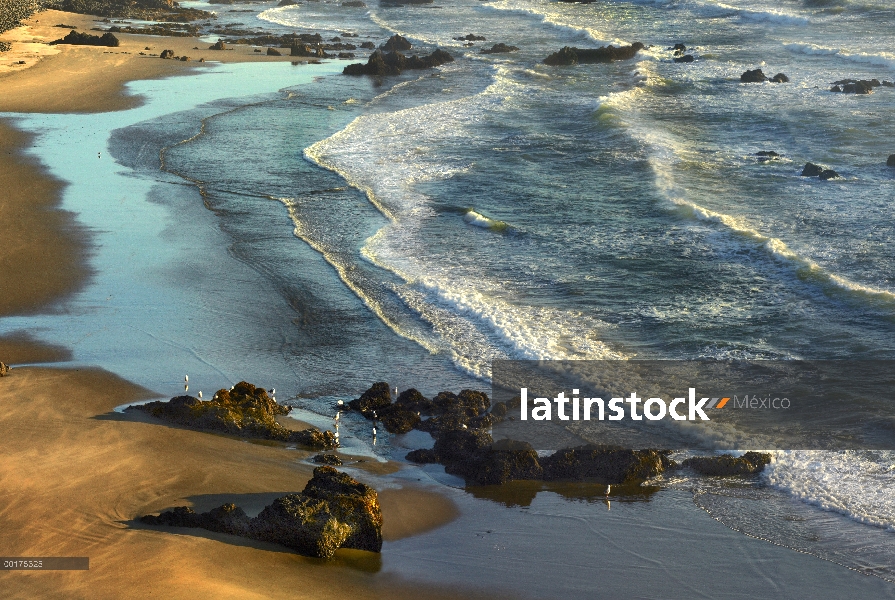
(340, 403)
(186, 387)
(338, 415)
(186, 378)
(608, 487)
(374, 432)
(374, 414)
(273, 391)
(396, 390)
(465, 427)
(200, 394)
(337, 434)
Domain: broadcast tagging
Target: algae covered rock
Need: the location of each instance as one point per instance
(605, 464)
(726, 465)
(245, 410)
(333, 511)
(374, 399)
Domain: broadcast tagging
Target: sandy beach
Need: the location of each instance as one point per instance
(75, 474)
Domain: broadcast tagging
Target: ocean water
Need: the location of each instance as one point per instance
(498, 208)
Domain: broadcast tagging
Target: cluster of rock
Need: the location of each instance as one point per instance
(605, 54)
(333, 511)
(85, 39)
(169, 55)
(144, 10)
(680, 54)
(470, 37)
(244, 410)
(165, 29)
(394, 63)
(304, 44)
(766, 155)
(813, 170)
(499, 49)
(447, 411)
(458, 422)
(4, 370)
(758, 76)
(859, 86)
(890, 162)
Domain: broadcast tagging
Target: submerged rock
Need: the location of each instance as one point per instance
(891, 161)
(244, 410)
(856, 86)
(812, 170)
(499, 49)
(765, 155)
(470, 37)
(333, 511)
(605, 54)
(686, 58)
(828, 174)
(725, 465)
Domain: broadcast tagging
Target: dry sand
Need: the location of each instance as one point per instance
(64, 78)
(74, 475)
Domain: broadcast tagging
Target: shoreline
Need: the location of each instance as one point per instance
(126, 467)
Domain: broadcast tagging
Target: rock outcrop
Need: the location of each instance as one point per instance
(273, 52)
(167, 54)
(499, 49)
(218, 45)
(726, 465)
(813, 170)
(470, 37)
(333, 511)
(86, 39)
(244, 410)
(394, 63)
(396, 43)
(4, 370)
(605, 54)
(890, 162)
(859, 86)
(606, 464)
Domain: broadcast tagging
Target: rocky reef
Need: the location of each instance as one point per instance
(605, 54)
(499, 49)
(333, 511)
(394, 63)
(859, 86)
(244, 410)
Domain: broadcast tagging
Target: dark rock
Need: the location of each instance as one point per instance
(887, 84)
(606, 464)
(328, 459)
(218, 45)
(355, 4)
(4, 370)
(184, 58)
(422, 456)
(574, 56)
(679, 49)
(836, 89)
(754, 76)
(686, 58)
(374, 399)
(725, 465)
(499, 49)
(474, 456)
(397, 419)
(167, 54)
(397, 43)
(812, 170)
(86, 39)
(766, 155)
(499, 410)
(244, 410)
(413, 400)
(828, 174)
(394, 63)
(779, 78)
(306, 50)
(345, 55)
(333, 511)
(368, 45)
(891, 161)
(855, 86)
(273, 52)
(470, 37)
(287, 3)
